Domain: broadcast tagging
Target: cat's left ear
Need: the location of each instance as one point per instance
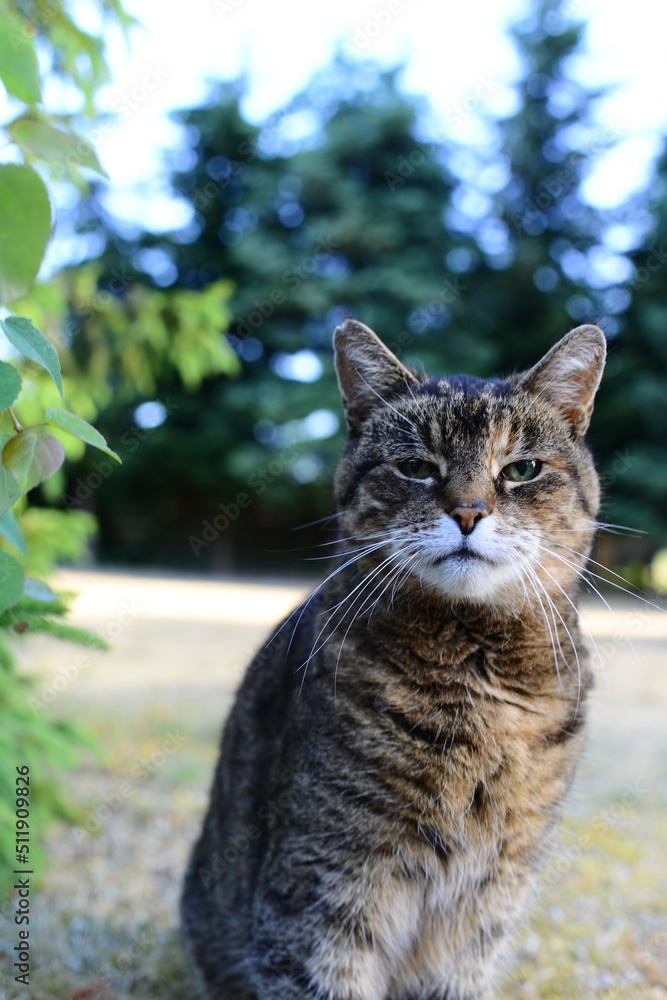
(369, 375)
(568, 376)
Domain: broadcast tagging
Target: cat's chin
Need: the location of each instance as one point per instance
(466, 580)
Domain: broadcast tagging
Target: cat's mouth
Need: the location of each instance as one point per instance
(464, 554)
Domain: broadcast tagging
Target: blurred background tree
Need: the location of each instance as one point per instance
(352, 200)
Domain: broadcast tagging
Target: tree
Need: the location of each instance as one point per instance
(307, 232)
(555, 260)
(634, 409)
(538, 240)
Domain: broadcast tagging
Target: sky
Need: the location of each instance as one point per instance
(457, 55)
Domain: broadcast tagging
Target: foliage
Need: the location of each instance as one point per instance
(30, 452)
(137, 338)
(47, 746)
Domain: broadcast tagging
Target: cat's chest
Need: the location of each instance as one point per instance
(468, 751)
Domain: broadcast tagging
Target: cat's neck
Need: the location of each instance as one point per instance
(426, 633)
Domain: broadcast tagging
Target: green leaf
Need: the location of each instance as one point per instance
(25, 228)
(11, 581)
(32, 343)
(32, 458)
(50, 143)
(11, 529)
(10, 385)
(38, 590)
(19, 68)
(80, 428)
(9, 489)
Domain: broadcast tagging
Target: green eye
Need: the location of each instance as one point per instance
(521, 471)
(416, 468)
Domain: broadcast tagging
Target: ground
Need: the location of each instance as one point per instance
(106, 909)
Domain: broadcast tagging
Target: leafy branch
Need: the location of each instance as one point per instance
(29, 453)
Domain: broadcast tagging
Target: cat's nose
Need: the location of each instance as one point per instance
(467, 518)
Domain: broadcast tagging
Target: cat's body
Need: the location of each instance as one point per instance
(398, 752)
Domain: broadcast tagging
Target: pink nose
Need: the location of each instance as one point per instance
(467, 518)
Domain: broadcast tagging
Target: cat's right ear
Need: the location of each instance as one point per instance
(369, 375)
(569, 375)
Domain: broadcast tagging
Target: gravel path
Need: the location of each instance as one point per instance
(107, 907)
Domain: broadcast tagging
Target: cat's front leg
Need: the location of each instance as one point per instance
(349, 975)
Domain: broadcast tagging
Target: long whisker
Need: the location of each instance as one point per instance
(339, 569)
(565, 626)
(387, 580)
(353, 538)
(579, 616)
(387, 403)
(320, 520)
(609, 525)
(362, 584)
(611, 583)
(531, 579)
(589, 572)
(583, 574)
(358, 538)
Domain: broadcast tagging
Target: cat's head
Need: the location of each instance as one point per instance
(482, 491)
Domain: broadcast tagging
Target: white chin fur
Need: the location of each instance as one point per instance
(494, 578)
(473, 581)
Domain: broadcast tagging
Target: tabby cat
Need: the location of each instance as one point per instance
(394, 766)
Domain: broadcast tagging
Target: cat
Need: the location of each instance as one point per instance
(395, 763)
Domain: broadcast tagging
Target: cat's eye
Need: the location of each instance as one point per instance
(522, 471)
(416, 468)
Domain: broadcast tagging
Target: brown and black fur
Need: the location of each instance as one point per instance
(398, 753)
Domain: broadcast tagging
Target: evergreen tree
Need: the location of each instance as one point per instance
(558, 264)
(461, 262)
(351, 220)
(539, 241)
(634, 407)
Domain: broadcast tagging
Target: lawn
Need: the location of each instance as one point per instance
(106, 908)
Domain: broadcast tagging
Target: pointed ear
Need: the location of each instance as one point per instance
(368, 373)
(569, 375)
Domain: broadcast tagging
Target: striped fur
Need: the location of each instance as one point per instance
(396, 760)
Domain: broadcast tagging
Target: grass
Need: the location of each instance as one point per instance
(106, 907)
